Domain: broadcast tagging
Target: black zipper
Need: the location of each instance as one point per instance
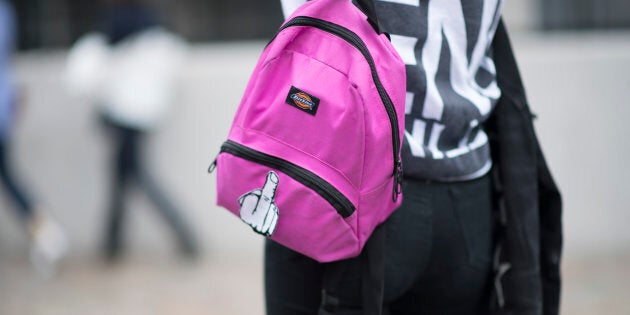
(356, 41)
(307, 178)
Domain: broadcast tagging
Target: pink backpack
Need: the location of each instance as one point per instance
(312, 159)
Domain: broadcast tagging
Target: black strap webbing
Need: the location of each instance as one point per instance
(373, 270)
(367, 6)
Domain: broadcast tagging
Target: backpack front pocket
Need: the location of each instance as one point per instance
(286, 202)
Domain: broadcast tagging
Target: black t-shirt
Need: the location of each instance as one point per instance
(451, 82)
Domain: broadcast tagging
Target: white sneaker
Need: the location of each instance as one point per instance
(49, 244)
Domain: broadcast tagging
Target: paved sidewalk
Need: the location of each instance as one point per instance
(158, 285)
(149, 285)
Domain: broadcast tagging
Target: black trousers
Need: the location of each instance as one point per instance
(437, 259)
(128, 170)
(15, 192)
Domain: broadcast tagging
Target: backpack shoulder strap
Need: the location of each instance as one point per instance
(367, 6)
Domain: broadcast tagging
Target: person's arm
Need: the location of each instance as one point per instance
(289, 6)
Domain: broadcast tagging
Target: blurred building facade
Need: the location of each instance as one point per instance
(584, 14)
(55, 23)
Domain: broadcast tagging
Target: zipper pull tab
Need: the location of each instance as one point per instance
(397, 180)
(212, 166)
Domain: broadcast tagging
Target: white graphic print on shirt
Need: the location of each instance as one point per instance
(451, 85)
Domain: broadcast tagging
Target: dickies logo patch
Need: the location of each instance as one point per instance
(302, 100)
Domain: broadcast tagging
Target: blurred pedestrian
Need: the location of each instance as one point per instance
(129, 68)
(47, 238)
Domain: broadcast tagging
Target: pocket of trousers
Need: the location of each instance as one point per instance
(473, 209)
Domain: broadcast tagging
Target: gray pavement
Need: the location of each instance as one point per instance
(578, 86)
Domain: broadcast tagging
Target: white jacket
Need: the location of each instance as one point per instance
(135, 81)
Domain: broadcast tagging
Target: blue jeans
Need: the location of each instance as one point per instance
(127, 169)
(438, 253)
(16, 193)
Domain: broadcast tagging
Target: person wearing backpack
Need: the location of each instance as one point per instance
(48, 240)
(479, 230)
